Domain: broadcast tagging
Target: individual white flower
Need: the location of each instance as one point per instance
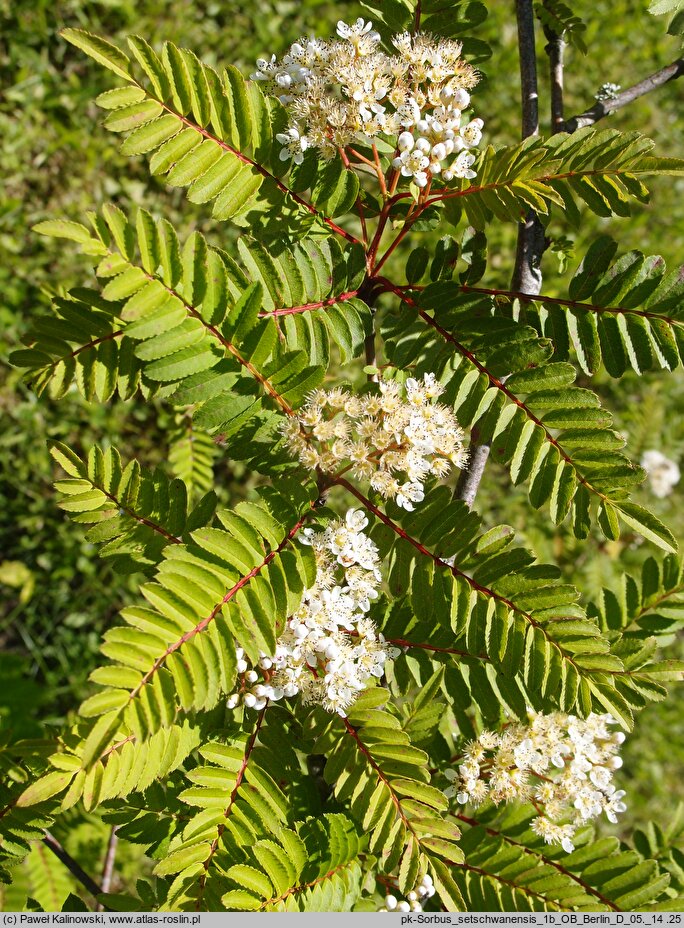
(409, 113)
(439, 152)
(461, 167)
(356, 520)
(295, 144)
(663, 473)
(409, 494)
(615, 806)
(472, 133)
(411, 163)
(461, 99)
(566, 844)
(355, 30)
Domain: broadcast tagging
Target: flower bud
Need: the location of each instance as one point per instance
(405, 141)
(461, 99)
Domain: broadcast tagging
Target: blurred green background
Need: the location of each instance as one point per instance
(56, 597)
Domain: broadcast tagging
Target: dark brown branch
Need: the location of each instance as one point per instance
(471, 475)
(426, 646)
(108, 866)
(573, 304)
(530, 247)
(72, 866)
(527, 274)
(528, 68)
(530, 244)
(555, 49)
(605, 107)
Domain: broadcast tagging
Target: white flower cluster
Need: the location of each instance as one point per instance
(329, 649)
(663, 473)
(347, 89)
(561, 764)
(607, 91)
(415, 898)
(395, 439)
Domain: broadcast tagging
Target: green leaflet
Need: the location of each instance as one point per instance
(250, 856)
(213, 134)
(133, 513)
(623, 314)
(375, 760)
(553, 436)
(206, 309)
(647, 525)
(100, 50)
(498, 607)
(178, 652)
(602, 168)
(513, 868)
(649, 604)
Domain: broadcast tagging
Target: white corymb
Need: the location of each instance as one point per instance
(395, 439)
(562, 764)
(423, 890)
(330, 649)
(349, 90)
(663, 473)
